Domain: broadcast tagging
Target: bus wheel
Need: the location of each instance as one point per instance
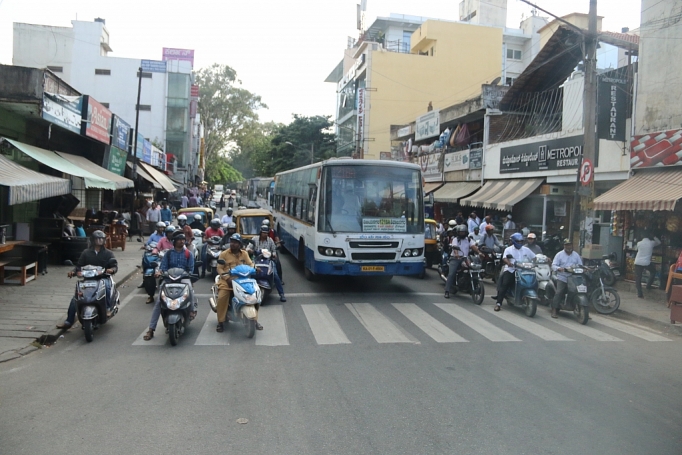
(301, 251)
(310, 276)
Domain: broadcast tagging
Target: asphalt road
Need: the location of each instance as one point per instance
(350, 367)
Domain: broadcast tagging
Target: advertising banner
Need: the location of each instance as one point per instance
(97, 120)
(156, 156)
(140, 146)
(430, 165)
(178, 54)
(147, 152)
(65, 111)
(456, 161)
(117, 160)
(120, 133)
(427, 125)
(657, 149)
(548, 155)
(153, 66)
(612, 101)
(476, 158)
(361, 118)
(384, 225)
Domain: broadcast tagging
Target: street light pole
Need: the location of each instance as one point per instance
(312, 152)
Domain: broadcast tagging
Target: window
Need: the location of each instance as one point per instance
(513, 54)
(145, 75)
(407, 36)
(102, 72)
(56, 69)
(144, 107)
(509, 81)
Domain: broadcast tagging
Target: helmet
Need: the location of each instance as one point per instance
(231, 226)
(236, 238)
(161, 225)
(461, 229)
(169, 231)
(229, 210)
(489, 228)
(179, 236)
(215, 223)
(517, 240)
(452, 223)
(265, 229)
(197, 217)
(266, 222)
(98, 237)
(451, 231)
(182, 220)
(509, 216)
(531, 236)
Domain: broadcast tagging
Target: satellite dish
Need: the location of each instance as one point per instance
(496, 81)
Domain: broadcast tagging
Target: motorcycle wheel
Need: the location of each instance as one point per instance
(478, 293)
(606, 304)
(87, 329)
(582, 313)
(530, 306)
(173, 334)
(250, 325)
(609, 280)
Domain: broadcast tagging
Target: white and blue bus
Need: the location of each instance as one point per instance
(352, 217)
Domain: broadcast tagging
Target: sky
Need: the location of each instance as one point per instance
(282, 50)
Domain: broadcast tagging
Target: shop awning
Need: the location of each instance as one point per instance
(431, 187)
(454, 191)
(26, 185)
(165, 182)
(142, 173)
(84, 163)
(502, 194)
(646, 190)
(51, 159)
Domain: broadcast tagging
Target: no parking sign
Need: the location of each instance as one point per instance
(586, 172)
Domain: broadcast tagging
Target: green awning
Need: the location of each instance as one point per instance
(86, 164)
(51, 159)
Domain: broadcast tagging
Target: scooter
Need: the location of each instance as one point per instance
(176, 303)
(524, 294)
(551, 245)
(247, 297)
(543, 273)
(150, 262)
(468, 278)
(265, 272)
(213, 251)
(604, 299)
(576, 298)
(91, 299)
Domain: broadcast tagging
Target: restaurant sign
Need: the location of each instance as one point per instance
(96, 120)
(548, 155)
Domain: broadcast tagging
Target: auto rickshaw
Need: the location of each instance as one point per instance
(205, 212)
(431, 253)
(249, 221)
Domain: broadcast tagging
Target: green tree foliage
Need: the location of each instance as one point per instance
(252, 150)
(219, 170)
(226, 109)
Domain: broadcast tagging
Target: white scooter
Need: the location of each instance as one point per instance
(543, 271)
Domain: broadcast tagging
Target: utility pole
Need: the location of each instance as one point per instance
(137, 121)
(312, 152)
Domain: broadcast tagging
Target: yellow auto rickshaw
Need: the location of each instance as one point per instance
(431, 253)
(205, 212)
(249, 221)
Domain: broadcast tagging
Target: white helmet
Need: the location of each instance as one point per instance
(266, 222)
(182, 220)
(452, 223)
(197, 217)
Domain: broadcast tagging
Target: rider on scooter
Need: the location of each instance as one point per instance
(179, 257)
(563, 259)
(231, 229)
(263, 242)
(489, 239)
(532, 244)
(158, 235)
(233, 256)
(97, 256)
(212, 231)
(519, 252)
(460, 246)
(273, 235)
(197, 223)
(165, 243)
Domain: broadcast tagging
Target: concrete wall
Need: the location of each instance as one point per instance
(492, 13)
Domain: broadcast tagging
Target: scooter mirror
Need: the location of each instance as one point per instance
(561, 228)
(222, 261)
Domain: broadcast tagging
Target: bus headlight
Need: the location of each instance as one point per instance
(329, 252)
(338, 252)
(414, 252)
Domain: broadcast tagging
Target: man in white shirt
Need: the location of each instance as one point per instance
(227, 218)
(184, 200)
(475, 237)
(460, 246)
(154, 214)
(509, 224)
(471, 222)
(519, 253)
(486, 221)
(563, 259)
(645, 248)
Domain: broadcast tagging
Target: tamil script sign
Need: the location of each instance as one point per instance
(456, 161)
(186, 55)
(97, 120)
(384, 225)
(64, 111)
(613, 93)
(548, 155)
(491, 95)
(427, 125)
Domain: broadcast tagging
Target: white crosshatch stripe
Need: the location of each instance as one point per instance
(274, 331)
(428, 324)
(588, 331)
(630, 330)
(208, 336)
(379, 326)
(476, 323)
(525, 323)
(325, 328)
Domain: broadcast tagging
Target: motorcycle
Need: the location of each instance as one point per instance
(91, 302)
(576, 298)
(543, 273)
(491, 259)
(468, 278)
(608, 268)
(195, 248)
(212, 253)
(247, 296)
(604, 299)
(265, 272)
(176, 303)
(524, 294)
(551, 245)
(150, 262)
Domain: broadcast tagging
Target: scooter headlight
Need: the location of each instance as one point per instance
(173, 304)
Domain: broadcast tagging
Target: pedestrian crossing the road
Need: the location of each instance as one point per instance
(407, 323)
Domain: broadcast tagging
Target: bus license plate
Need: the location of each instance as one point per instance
(372, 268)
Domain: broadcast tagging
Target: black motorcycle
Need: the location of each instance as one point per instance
(576, 298)
(468, 278)
(551, 244)
(213, 250)
(91, 299)
(150, 262)
(491, 262)
(176, 302)
(604, 299)
(608, 268)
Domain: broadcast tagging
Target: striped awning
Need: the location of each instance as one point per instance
(454, 191)
(142, 173)
(502, 194)
(26, 185)
(646, 190)
(160, 177)
(84, 163)
(429, 187)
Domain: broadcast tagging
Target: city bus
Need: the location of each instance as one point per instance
(259, 190)
(352, 217)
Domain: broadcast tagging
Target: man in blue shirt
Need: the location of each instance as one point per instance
(179, 257)
(563, 260)
(158, 234)
(166, 214)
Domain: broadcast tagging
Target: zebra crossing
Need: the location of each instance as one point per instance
(407, 323)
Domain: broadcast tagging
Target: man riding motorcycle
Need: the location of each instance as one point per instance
(263, 242)
(213, 230)
(165, 243)
(180, 257)
(233, 256)
(227, 218)
(98, 256)
(489, 239)
(564, 259)
(186, 228)
(158, 235)
(532, 244)
(231, 229)
(273, 235)
(459, 250)
(519, 252)
(197, 223)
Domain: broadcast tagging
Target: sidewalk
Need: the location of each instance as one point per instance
(651, 310)
(28, 314)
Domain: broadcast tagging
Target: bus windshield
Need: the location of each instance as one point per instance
(371, 199)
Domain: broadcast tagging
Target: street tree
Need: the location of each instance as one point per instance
(219, 171)
(291, 144)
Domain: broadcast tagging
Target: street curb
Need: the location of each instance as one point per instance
(672, 329)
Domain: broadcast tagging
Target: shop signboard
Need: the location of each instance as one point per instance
(62, 110)
(404, 131)
(153, 66)
(427, 125)
(663, 148)
(147, 152)
(476, 158)
(120, 133)
(361, 118)
(96, 120)
(430, 164)
(117, 160)
(456, 161)
(156, 156)
(140, 146)
(613, 92)
(547, 155)
(162, 161)
(186, 55)
(491, 95)
(385, 156)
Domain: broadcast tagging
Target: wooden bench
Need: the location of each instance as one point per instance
(22, 273)
(2, 270)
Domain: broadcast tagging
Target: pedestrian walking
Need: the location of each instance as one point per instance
(222, 201)
(645, 249)
(154, 214)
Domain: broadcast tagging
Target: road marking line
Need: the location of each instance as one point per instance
(428, 324)
(160, 336)
(589, 332)
(526, 324)
(630, 330)
(135, 293)
(476, 323)
(325, 328)
(379, 326)
(208, 336)
(274, 331)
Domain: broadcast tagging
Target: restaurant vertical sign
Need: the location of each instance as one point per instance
(613, 93)
(361, 119)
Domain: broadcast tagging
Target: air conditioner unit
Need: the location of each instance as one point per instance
(557, 190)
